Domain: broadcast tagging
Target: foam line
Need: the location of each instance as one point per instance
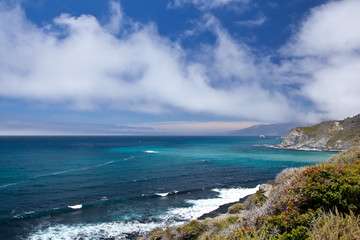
(201, 206)
(116, 230)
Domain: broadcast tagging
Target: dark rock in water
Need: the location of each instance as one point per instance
(130, 236)
(221, 210)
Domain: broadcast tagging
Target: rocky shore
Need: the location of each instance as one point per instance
(314, 202)
(326, 136)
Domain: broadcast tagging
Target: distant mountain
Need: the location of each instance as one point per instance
(278, 129)
(325, 136)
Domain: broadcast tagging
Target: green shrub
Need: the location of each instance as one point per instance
(291, 219)
(236, 208)
(191, 230)
(328, 186)
(298, 233)
(310, 130)
(255, 200)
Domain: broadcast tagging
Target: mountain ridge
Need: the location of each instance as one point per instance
(277, 129)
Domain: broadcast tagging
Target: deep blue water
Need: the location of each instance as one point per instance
(119, 181)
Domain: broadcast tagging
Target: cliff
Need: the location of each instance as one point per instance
(325, 136)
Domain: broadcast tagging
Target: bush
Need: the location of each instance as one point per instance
(227, 222)
(328, 186)
(236, 208)
(191, 230)
(298, 233)
(247, 233)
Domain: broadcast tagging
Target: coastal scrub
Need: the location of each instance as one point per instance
(315, 202)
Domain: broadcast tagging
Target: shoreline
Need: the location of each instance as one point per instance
(222, 209)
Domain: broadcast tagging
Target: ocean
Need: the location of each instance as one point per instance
(119, 187)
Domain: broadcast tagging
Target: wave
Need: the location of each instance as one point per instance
(75, 170)
(10, 184)
(265, 145)
(78, 206)
(111, 230)
(57, 173)
(133, 229)
(201, 206)
(150, 151)
(162, 194)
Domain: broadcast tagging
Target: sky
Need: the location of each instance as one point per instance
(175, 66)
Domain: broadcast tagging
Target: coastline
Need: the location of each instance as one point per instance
(223, 209)
(270, 205)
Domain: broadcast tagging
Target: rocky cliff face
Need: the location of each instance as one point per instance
(326, 136)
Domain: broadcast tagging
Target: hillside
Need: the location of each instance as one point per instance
(278, 129)
(314, 202)
(325, 136)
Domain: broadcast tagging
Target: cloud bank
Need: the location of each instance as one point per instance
(77, 62)
(327, 50)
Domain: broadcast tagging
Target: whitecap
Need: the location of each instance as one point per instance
(150, 151)
(78, 206)
(162, 194)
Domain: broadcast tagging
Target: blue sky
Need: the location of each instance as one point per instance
(175, 66)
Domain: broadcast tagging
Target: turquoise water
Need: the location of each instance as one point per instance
(128, 185)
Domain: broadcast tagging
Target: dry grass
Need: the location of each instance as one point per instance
(348, 157)
(334, 226)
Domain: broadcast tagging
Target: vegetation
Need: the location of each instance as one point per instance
(310, 130)
(315, 202)
(336, 226)
(236, 208)
(326, 136)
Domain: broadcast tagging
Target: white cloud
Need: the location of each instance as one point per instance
(116, 19)
(87, 67)
(79, 62)
(327, 51)
(259, 20)
(207, 4)
(331, 28)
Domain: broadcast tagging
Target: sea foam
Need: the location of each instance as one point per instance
(114, 230)
(121, 230)
(201, 206)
